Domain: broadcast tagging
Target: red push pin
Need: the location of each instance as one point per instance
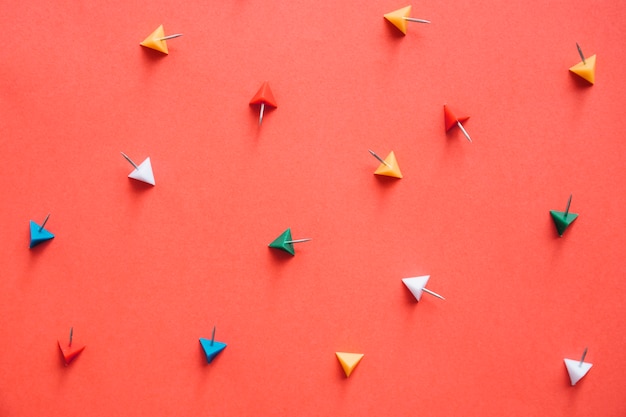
(70, 352)
(452, 120)
(263, 97)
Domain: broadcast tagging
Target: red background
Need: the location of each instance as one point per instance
(141, 273)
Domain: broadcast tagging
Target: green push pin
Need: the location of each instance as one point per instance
(562, 219)
(285, 242)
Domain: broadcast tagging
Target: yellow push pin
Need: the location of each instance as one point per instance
(388, 166)
(157, 39)
(586, 69)
(399, 17)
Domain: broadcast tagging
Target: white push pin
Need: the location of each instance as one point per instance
(142, 172)
(577, 369)
(417, 285)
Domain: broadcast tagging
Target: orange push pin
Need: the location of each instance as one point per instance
(399, 17)
(586, 69)
(157, 39)
(388, 166)
(263, 97)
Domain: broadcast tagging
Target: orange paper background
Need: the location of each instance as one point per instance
(141, 273)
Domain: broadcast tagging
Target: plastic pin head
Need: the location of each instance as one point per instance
(388, 167)
(400, 17)
(70, 352)
(563, 219)
(142, 172)
(263, 97)
(38, 234)
(157, 40)
(451, 120)
(211, 348)
(285, 242)
(586, 69)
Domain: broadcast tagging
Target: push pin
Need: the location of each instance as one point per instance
(211, 347)
(400, 17)
(577, 369)
(585, 69)
(388, 166)
(349, 361)
(451, 120)
(70, 352)
(142, 172)
(263, 97)
(38, 234)
(562, 219)
(157, 39)
(417, 285)
(285, 242)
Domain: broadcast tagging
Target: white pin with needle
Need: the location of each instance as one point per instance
(577, 369)
(142, 172)
(417, 285)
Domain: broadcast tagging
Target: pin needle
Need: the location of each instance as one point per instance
(213, 336)
(583, 357)
(298, 240)
(71, 336)
(463, 130)
(129, 160)
(432, 293)
(567, 208)
(580, 52)
(44, 222)
(382, 161)
(412, 19)
(169, 37)
(261, 113)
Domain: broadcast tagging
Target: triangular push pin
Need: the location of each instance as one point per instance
(349, 361)
(157, 40)
(577, 369)
(563, 219)
(388, 166)
(400, 17)
(417, 286)
(263, 97)
(451, 120)
(142, 172)
(285, 242)
(38, 234)
(70, 352)
(586, 69)
(211, 348)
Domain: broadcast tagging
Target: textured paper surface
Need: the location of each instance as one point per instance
(142, 272)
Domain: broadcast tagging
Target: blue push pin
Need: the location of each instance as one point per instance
(211, 347)
(38, 234)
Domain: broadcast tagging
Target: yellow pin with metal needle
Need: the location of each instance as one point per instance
(388, 166)
(400, 17)
(157, 40)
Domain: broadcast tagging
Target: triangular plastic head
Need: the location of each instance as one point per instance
(586, 70)
(349, 361)
(143, 172)
(576, 370)
(450, 119)
(281, 242)
(397, 18)
(416, 285)
(37, 236)
(561, 221)
(391, 169)
(70, 352)
(154, 40)
(211, 349)
(264, 95)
